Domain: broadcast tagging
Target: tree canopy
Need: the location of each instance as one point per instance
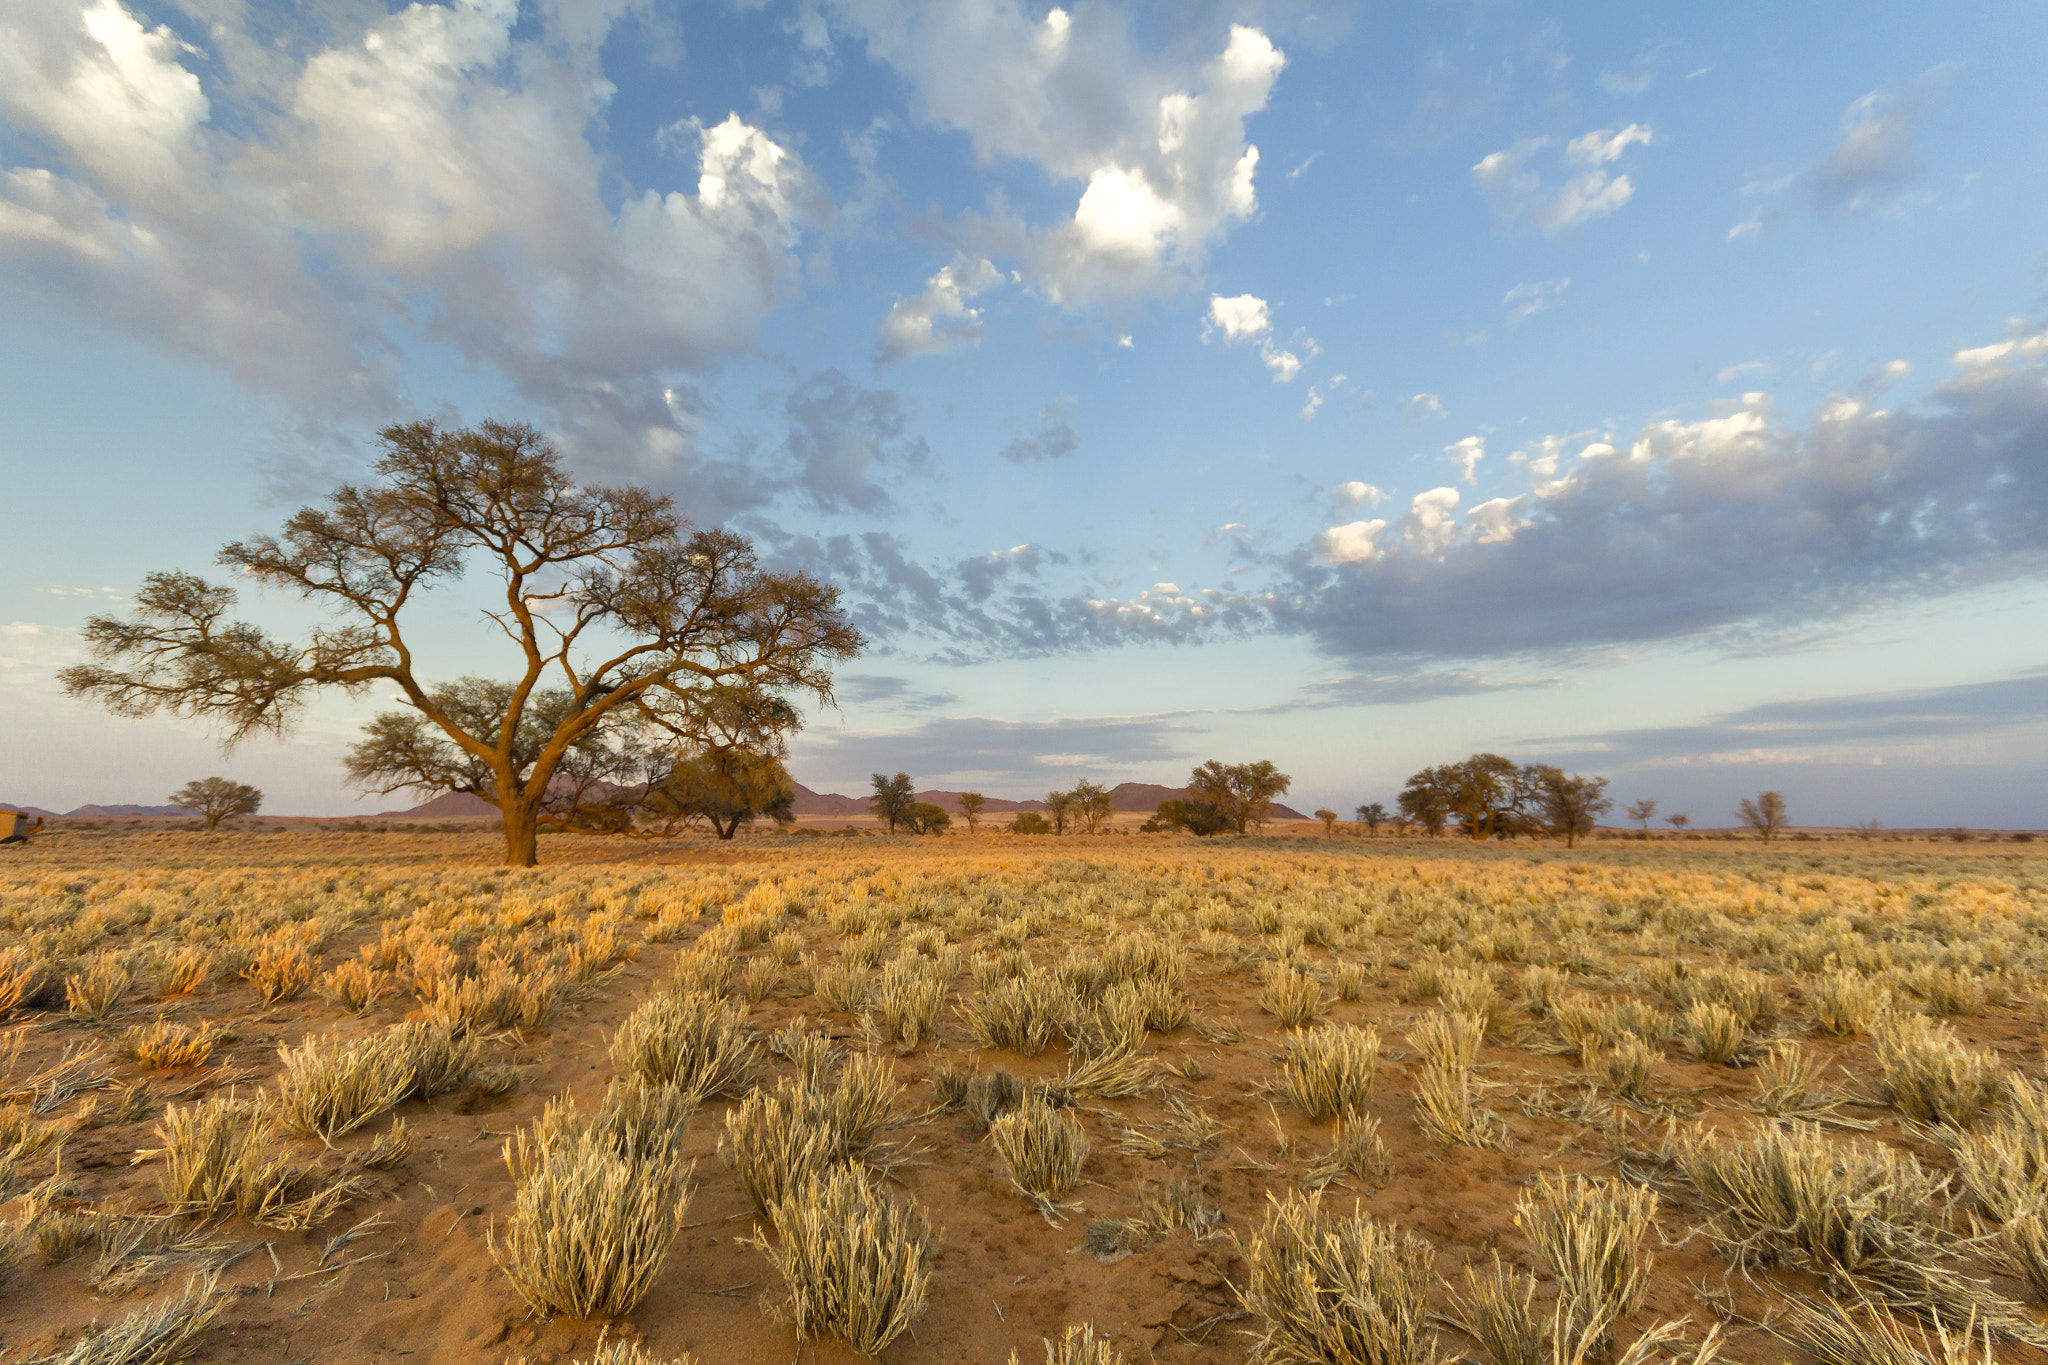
(637, 642)
(1244, 792)
(215, 799)
(893, 798)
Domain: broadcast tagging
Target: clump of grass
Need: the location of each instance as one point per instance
(1338, 1290)
(1495, 1310)
(436, 1058)
(1022, 1014)
(814, 1055)
(2021, 1247)
(215, 1160)
(1833, 1335)
(590, 1227)
(1788, 1082)
(355, 985)
(1357, 1152)
(693, 1041)
(1791, 1192)
(328, 1087)
(1042, 1150)
(181, 971)
(1931, 1075)
(1589, 1235)
(1328, 1072)
(1471, 992)
(2004, 1165)
(854, 1263)
(758, 979)
(1627, 1066)
(623, 1352)
(909, 996)
(1712, 1032)
(843, 988)
(1447, 1105)
(1079, 1345)
(96, 992)
(280, 970)
(156, 1335)
(1846, 1004)
(163, 1045)
(706, 969)
(1541, 989)
(1293, 997)
(775, 1140)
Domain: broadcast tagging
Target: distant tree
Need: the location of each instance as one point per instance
(926, 818)
(1426, 799)
(1570, 804)
(1679, 823)
(1765, 815)
(605, 592)
(1372, 815)
(215, 799)
(970, 809)
(723, 789)
(1244, 792)
(1030, 822)
(1092, 805)
(1329, 819)
(1868, 829)
(1062, 807)
(1196, 817)
(1642, 812)
(893, 799)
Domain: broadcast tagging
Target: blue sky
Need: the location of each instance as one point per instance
(1663, 392)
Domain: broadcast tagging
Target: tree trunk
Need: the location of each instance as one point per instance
(522, 832)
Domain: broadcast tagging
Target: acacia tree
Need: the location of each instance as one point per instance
(1765, 815)
(1426, 799)
(1642, 812)
(1570, 804)
(893, 798)
(1244, 792)
(617, 611)
(1329, 819)
(1679, 822)
(1063, 808)
(1372, 815)
(970, 809)
(1092, 805)
(215, 799)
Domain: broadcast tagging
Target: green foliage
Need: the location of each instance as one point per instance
(893, 798)
(1030, 822)
(1243, 792)
(1196, 817)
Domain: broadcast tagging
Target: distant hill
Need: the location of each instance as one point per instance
(132, 810)
(446, 806)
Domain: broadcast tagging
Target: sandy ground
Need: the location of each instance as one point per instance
(422, 1285)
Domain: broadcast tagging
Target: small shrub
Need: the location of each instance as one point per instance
(155, 1335)
(1338, 1290)
(759, 978)
(1788, 1082)
(1628, 1066)
(855, 1264)
(181, 971)
(842, 989)
(2004, 1164)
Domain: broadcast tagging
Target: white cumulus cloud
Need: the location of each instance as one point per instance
(1518, 190)
(938, 317)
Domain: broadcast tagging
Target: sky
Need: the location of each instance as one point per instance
(1661, 392)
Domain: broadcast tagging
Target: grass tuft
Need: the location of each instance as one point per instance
(855, 1263)
(1338, 1290)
